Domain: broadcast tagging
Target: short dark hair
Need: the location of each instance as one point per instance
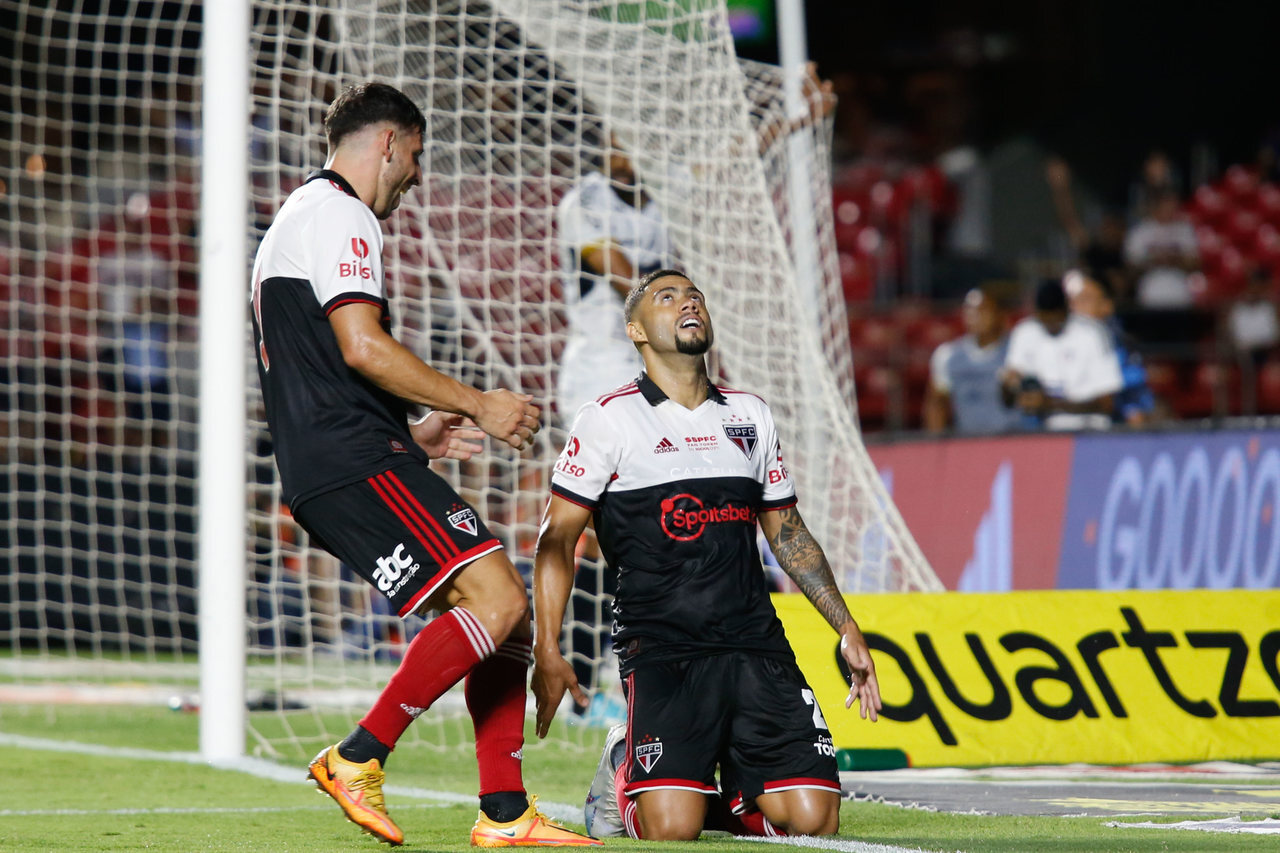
(370, 103)
(1050, 296)
(1099, 280)
(637, 293)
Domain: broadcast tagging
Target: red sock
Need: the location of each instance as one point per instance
(442, 653)
(496, 692)
(754, 823)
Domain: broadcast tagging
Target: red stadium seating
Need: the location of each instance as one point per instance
(1269, 388)
(875, 338)
(1208, 205)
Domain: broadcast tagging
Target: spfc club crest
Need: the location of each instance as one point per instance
(648, 754)
(743, 436)
(464, 520)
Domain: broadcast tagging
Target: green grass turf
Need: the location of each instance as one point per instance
(56, 801)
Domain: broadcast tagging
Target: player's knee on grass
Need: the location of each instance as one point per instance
(802, 811)
(671, 815)
(669, 827)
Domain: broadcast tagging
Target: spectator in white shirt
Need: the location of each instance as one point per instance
(1061, 369)
(1252, 321)
(1162, 252)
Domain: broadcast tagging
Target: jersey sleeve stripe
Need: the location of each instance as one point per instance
(778, 503)
(585, 503)
(348, 299)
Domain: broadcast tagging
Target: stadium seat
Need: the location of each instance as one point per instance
(1162, 379)
(848, 209)
(1269, 388)
(1229, 277)
(1209, 243)
(874, 338)
(856, 278)
(1266, 248)
(1208, 205)
(878, 388)
(1241, 228)
(1268, 204)
(1240, 183)
(1212, 392)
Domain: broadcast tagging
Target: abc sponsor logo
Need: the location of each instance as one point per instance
(393, 571)
(685, 517)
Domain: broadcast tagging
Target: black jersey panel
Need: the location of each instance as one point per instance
(317, 407)
(689, 574)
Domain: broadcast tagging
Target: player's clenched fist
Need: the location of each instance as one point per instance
(508, 416)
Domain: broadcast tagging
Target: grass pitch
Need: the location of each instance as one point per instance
(105, 801)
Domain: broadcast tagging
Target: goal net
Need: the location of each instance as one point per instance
(523, 99)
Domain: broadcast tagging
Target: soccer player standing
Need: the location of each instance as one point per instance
(337, 387)
(677, 472)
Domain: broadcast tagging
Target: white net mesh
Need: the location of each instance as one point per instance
(521, 96)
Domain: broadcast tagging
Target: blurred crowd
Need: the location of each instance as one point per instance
(947, 247)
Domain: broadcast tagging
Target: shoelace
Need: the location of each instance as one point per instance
(370, 781)
(538, 815)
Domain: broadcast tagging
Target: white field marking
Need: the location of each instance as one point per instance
(247, 810)
(1267, 826)
(812, 843)
(281, 773)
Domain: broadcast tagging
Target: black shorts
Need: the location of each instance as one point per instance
(405, 531)
(754, 716)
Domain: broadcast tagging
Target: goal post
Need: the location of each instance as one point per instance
(224, 209)
(119, 370)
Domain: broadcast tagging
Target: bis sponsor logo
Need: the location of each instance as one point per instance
(357, 268)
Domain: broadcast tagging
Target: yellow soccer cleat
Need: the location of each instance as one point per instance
(531, 829)
(358, 789)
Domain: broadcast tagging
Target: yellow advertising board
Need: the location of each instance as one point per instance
(972, 679)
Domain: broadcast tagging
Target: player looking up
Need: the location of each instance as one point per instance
(677, 472)
(355, 472)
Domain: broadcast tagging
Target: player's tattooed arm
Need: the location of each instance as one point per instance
(801, 557)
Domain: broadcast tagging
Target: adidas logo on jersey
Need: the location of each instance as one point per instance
(665, 446)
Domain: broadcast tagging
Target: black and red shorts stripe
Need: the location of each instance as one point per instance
(405, 531)
(753, 716)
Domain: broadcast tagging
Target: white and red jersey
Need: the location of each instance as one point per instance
(675, 494)
(329, 425)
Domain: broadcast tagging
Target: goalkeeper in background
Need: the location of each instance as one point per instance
(337, 388)
(677, 472)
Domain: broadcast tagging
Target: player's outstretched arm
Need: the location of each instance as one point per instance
(802, 559)
(381, 359)
(553, 566)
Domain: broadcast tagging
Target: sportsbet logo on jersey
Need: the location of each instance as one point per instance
(685, 517)
(356, 269)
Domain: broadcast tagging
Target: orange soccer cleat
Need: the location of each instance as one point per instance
(531, 829)
(358, 789)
